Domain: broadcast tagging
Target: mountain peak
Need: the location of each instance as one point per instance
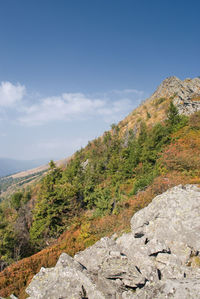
(171, 79)
(173, 86)
(185, 93)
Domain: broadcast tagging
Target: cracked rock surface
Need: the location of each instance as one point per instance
(185, 93)
(159, 259)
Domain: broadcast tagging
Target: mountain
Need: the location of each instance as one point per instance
(185, 95)
(11, 166)
(99, 189)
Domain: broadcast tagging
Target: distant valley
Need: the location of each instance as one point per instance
(17, 174)
(11, 166)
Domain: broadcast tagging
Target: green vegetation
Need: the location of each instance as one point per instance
(91, 181)
(159, 101)
(148, 115)
(96, 193)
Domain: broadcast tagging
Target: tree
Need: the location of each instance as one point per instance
(52, 165)
(16, 200)
(175, 121)
(173, 117)
(143, 133)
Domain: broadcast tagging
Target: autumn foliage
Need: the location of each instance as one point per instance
(100, 190)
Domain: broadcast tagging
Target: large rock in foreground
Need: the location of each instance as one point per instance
(159, 259)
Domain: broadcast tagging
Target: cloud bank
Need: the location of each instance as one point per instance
(56, 126)
(68, 106)
(110, 106)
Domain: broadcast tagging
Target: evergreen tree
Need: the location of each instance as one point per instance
(173, 118)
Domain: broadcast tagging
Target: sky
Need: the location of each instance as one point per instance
(71, 68)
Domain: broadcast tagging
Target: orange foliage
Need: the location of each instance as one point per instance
(179, 163)
(194, 121)
(84, 232)
(184, 154)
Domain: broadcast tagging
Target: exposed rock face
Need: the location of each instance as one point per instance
(185, 93)
(159, 259)
(68, 279)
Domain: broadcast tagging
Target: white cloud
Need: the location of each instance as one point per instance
(128, 91)
(3, 134)
(111, 106)
(10, 94)
(36, 110)
(116, 110)
(68, 106)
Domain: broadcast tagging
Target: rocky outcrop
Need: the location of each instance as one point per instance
(68, 279)
(185, 94)
(159, 258)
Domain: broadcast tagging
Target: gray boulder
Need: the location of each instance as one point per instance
(171, 288)
(67, 279)
(158, 259)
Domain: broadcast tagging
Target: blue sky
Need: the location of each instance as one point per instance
(70, 68)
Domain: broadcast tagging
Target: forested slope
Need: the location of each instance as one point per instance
(99, 190)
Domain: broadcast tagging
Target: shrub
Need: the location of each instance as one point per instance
(148, 115)
(194, 121)
(103, 202)
(157, 102)
(142, 183)
(16, 200)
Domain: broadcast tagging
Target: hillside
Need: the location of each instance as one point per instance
(154, 148)
(185, 95)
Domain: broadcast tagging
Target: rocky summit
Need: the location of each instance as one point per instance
(159, 258)
(185, 93)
